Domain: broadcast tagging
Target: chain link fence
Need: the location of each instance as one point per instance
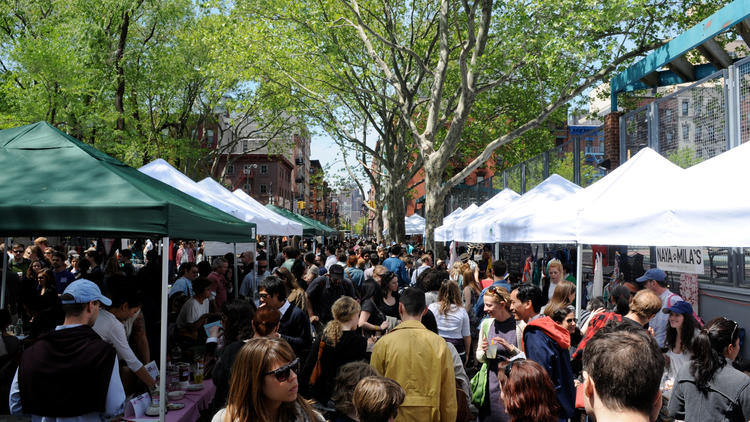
(691, 124)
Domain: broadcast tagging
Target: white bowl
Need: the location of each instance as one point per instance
(176, 395)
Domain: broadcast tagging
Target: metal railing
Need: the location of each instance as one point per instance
(693, 124)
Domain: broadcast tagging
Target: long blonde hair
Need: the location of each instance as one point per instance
(343, 310)
(560, 297)
(448, 295)
(245, 398)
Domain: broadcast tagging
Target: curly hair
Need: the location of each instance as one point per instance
(343, 310)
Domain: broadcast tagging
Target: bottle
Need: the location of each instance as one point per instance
(19, 327)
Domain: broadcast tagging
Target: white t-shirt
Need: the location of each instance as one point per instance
(453, 324)
(111, 330)
(191, 311)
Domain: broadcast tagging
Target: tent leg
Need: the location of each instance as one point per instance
(236, 284)
(497, 251)
(580, 285)
(163, 329)
(5, 271)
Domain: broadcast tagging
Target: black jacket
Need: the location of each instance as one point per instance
(294, 327)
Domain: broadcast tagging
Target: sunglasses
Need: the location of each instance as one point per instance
(21, 251)
(495, 290)
(283, 373)
(736, 325)
(509, 367)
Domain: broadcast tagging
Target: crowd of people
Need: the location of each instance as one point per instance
(360, 332)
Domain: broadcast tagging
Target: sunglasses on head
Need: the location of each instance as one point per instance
(736, 325)
(283, 373)
(495, 290)
(509, 367)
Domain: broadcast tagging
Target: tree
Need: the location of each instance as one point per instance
(135, 79)
(323, 67)
(441, 59)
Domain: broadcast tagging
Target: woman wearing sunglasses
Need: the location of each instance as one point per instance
(264, 386)
(500, 338)
(710, 389)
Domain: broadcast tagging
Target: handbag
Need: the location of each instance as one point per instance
(479, 380)
(318, 366)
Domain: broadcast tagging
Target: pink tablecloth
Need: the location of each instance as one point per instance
(194, 401)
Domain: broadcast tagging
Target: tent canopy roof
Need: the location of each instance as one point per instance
(56, 184)
(310, 226)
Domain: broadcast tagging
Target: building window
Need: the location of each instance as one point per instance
(263, 169)
(247, 168)
(667, 116)
(685, 132)
(230, 169)
(263, 189)
(685, 107)
(244, 146)
(246, 188)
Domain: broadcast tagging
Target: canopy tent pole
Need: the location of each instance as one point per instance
(236, 286)
(579, 279)
(497, 251)
(5, 271)
(163, 329)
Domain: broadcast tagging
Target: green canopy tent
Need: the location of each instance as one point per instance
(53, 183)
(308, 227)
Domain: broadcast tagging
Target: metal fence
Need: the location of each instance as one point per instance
(687, 126)
(577, 160)
(693, 124)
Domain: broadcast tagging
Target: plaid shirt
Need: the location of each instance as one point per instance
(597, 323)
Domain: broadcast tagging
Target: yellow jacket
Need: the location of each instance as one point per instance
(419, 360)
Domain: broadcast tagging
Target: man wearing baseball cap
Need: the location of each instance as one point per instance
(70, 372)
(656, 281)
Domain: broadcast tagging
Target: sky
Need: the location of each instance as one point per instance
(323, 148)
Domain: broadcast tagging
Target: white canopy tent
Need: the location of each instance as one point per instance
(269, 223)
(473, 228)
(511, 225)
(617, 195)
(707, 206)
(261, 209)
(414, 225)
(633, 207)
(444, 233)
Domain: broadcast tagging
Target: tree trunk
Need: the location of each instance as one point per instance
(120, 89)
(379, 224)
(434, 196)
(395, 210)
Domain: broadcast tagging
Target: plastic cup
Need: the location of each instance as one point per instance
(492, 349)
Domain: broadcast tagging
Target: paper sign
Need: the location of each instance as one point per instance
(136, 408)
(689, 289)
(681, 259)
(152, 369)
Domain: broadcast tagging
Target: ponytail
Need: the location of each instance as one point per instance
(332, 333)
(344, 309)
(708, 350)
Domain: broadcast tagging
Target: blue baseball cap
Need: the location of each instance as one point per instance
(652, 274)
(680, 307)
(84, 291)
